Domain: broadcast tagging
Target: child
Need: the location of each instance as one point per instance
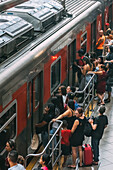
(45, 162)
(65, 144)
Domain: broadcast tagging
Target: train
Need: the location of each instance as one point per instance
(30, 72)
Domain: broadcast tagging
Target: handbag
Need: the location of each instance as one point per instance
(35, 142)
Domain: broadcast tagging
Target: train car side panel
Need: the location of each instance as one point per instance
(63, 54)
(88, 28)
(99, 25)
(21, 96)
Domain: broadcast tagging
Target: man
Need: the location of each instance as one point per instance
(100, 43)
(79, 63)
(109, 83)
(98, 126)
(108, 30)
(12, 159)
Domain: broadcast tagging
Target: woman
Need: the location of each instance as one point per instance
(101, 83)
(77, 136)
(42, 127)
(87, 66)
(10, 145)
(45, 162)
(69, 114)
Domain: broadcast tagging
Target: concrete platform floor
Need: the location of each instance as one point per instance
(106, 145)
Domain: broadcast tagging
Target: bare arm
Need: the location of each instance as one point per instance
(65, 114)
(76, 123)
(94, 126)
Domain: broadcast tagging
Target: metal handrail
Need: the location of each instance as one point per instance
(48, 144)
(89, 96)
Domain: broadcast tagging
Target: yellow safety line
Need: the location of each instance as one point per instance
(34, 160)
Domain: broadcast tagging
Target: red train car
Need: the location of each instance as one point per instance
(28, 82)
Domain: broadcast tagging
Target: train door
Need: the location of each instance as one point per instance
(71, 58)
(93, 35)
(110, 16)
(35, 104)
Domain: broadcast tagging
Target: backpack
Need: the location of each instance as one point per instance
(88, 129)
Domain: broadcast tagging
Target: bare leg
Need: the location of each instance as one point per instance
(80, 154)
(74, 155)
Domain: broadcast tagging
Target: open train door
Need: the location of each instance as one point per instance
(34, 104)
(93, 36)
(71, 59)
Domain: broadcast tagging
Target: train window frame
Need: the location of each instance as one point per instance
(85, 41)
(34, 89)
(57, 85)
(14, 116)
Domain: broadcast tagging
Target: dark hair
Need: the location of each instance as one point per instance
(63, 90)
(87, 61)
(73, 89)
(65, 124)
(46, 159)
(102, 109)
(51, 107)
(102, 62)
(70, 95)
(11, 143)
(13, 155)
(80, 110)
(71, 104)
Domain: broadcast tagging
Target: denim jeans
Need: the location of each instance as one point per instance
(95, 147)
(44, 136)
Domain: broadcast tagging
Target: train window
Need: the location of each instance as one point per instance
(7, 125)
(55, 74)
(84, 41)
(36, 86)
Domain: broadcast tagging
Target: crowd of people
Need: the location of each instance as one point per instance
(64, 107)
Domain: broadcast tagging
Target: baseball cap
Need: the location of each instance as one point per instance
(107, 24)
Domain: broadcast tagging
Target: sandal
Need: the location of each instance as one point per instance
(71, 166)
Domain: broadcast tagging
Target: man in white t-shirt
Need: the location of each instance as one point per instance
(12, 159)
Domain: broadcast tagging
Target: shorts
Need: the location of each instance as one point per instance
(65, 149)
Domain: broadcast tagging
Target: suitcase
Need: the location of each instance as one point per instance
(87, 155)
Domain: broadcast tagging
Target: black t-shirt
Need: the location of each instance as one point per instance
(101, 122)
(108, 58)
(47, 118)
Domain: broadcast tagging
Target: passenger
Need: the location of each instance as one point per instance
(98, 125)
(65, 144)
(108, 29)
(69, 114)
(12, 159)
(48, 115)
(100, 43)
(77, 137)
(108, 60)
(10, 145)
(101, 83)
(56, 103)
(78, 64)
(87, 66)
(45, 162)
(71, 96)
(63, 93)
(60, 101)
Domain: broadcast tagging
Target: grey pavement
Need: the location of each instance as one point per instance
(106, 145)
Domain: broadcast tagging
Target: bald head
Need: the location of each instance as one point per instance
(101, 32)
